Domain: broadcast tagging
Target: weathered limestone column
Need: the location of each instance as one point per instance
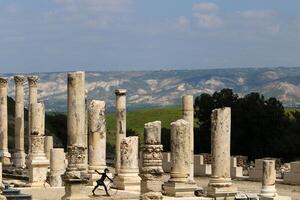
(57, 166)
(38, 163)
(220, 182)
(152, 162)
(33, 98)
(268, 180)
(97, 138)
(19, 155)
(2, 197)
(128, 178)
(4, 154)
(121, 124)
(188, 115)
(75, 177)
(48, 145)
(178, 184)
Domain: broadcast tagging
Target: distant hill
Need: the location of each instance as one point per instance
(148, 89)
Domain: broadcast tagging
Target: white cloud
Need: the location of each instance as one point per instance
(205, 7)
(257, 13)
(182, 23)
(208, 21)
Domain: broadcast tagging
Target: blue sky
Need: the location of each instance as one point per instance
(63, 35)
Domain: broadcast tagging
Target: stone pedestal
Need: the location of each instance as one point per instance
(57, 167)
(32, 85)
(235, 171)
(293, 176)
(256, 173)
(188, 115)
(76, 176)
(201, 168)
(178, 185)
(220, 184)
(97, 139)
(152, 171)
(121, 125)
(19, 155)
(166, 162)
(4, 154)
(128, 178)
(48, 145)
(38, 163)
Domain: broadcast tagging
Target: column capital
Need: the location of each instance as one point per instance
(3, 81)
(19, 79)
(32, 80)
(120, 92)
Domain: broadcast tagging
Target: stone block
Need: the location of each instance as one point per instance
(295, 167)
(236, 172)
(177, 189)
(128, 182)
(38, 172)
(151, 185)
(75, 191)
(255, 174)
(166, 162)
(221, 192)
(276, 198)
(202, 170)
(291, 178)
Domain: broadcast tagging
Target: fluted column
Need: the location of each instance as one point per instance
(97, 138)
(33, 98)
(4, 154)
(121, 124)
(19, 155)
(188, 115)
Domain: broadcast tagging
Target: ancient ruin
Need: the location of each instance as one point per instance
(57, 167)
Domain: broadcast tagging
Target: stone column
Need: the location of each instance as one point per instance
(268, 180)
(2, 197)
(188, 115)
(57, 166)
(48, 145)
(128, 178)
(220, 182)
(4, 154)
(75, 176)
(38, 163)
(152, 162)
(19, 155)
(178, 185)
(32, 85)
(121, 124)
(97, 138)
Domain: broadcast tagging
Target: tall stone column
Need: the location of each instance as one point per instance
(4, 154)
(19, 155)
(48, 145)
(152, 162)
(33, 98)
(57, 166)
(220, 184)
(97, 138)
(128, 178)
(38, 163)
(268, 180)
(188, 115)
(75, 176)
(178, 185)
(121, 124)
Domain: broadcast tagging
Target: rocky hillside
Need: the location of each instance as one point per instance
(164, 88)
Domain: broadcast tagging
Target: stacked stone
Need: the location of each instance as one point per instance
(57, 166)
(121, 125)
(128, 178)
(152, 162)
(188, 115)
(38, 163)
(178, 184)
(97, 139)
(32, 84)
(48, 145)
(19, 155)
(4, 154)
(75, 177)
(220, 184)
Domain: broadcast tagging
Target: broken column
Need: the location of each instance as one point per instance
(188, 115)
(121, 124)
(97, 139)
(4, 154)
(48, 145)
(19, 155)
(75, 177)
(128, 178)
(32, 85)
(220, 184)
(38, 163)
(178, 184)
(57, 166)
(268, 180)
(152, 171)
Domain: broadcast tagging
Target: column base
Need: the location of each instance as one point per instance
(74, 190)
(5, 157)
(179, 189)
(151, 186)
(38, 169)
(19, 159)
(130, 182)
(151, 196)
(275, 198)
(56, 179)
(225, 192)
(268, 191)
